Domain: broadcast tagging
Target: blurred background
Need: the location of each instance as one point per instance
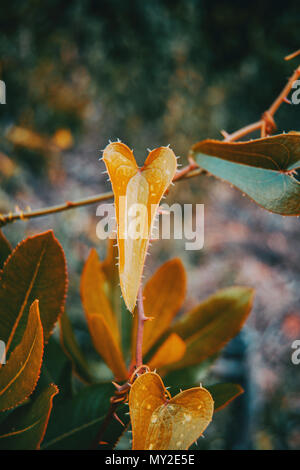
(153, 73)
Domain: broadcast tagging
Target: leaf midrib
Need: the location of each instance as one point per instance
(23, 366)
(72, 431)
(25, 300)
(20, 431)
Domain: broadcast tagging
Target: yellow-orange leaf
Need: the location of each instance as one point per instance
(63, 139)
(108, 265)
(106, 345)
(210, 325)
(93, 295)
(172, 350)
(160, 423)
(24, 137)
(19, 376)
(111, 272)
(137, 192)
(146, 395)
(163, 296)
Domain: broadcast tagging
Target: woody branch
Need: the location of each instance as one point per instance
(266, 125)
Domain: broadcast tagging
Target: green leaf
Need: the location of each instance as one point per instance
(223, 394)
(25, 428)
(267, 170)
(110, 268)
(74, 424)
(189, 376)
(19, 376)
(210, 325)
(73, 351)
(56, 368)
(5, 249)
(36, 269)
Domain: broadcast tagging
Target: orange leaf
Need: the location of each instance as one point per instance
(19, 376)
(23, 137)
(172, 350)
(63, 139)
(106, 345)
(159, 423)
(110, 269)
(141, 190)
(163, 296)
(146, 395)
(93, 295)
(36, 269)
(210, 325)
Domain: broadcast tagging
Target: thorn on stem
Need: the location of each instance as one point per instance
(224, 133)
(118, 419)
(286, 100)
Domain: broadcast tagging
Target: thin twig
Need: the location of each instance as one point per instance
(181, 174)
(279, 100)
(293, 55)
(244, 131)
(266, 124)
(13, 216)
(20, 215)
(112, 409)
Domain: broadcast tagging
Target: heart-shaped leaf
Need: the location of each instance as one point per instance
(19, 376)
(163, 423)
(163, 296)
(5, 249)
(36, 269)
(222, 394)
(137, 194)
(24, 429)
(170, 351)
(210, 325)
(267, 170)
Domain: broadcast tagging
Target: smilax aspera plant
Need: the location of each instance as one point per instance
(50, 396)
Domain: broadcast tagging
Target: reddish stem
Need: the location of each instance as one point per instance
(187, 169)
(244, 131)
(275, 105)
(267, 124)
(140, 329)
